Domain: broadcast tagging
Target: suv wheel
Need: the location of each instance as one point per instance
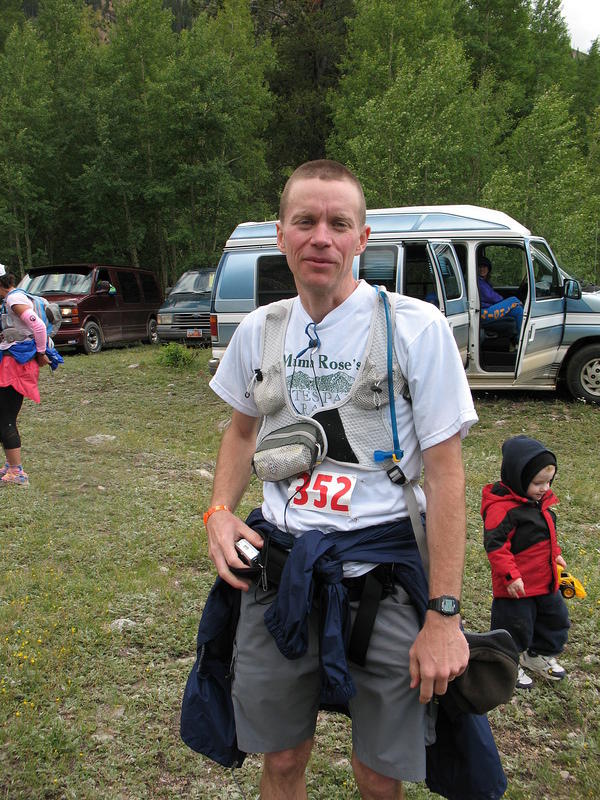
(92, 338)
(583, 373)
(152, 331)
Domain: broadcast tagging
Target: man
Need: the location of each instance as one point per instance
(320, 230)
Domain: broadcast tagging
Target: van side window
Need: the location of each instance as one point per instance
(275, 280)
(150, 288)
(449, 269)
(547, 279)
(129, 287)
(103, 275)
(236, 280)
(418, 275)
(378, 266)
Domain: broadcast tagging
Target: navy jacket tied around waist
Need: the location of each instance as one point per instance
(315, 563)
(463, 764)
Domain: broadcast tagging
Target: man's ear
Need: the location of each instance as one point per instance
(362, 242)
(280, 237)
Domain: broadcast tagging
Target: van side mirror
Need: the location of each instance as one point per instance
(572, 289)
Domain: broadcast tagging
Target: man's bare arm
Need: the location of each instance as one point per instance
(232, 475)
(440, 651)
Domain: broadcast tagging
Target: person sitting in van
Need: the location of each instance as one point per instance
(494, 307)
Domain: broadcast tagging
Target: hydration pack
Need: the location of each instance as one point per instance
(14, 330)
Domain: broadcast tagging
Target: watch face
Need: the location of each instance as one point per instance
(448, 605)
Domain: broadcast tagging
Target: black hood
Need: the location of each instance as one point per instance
(522, 458)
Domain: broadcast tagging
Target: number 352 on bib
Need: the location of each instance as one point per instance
(329, 492)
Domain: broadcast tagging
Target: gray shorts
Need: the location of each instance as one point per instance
(276, 700)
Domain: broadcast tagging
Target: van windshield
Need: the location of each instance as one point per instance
(194, 283)
(58, 283)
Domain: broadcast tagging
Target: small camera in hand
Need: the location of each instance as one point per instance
(248, 553)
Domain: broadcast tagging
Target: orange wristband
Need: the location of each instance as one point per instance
(212, 510)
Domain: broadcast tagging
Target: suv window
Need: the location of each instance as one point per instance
(275, 280)
(129, 287)
(547, 278)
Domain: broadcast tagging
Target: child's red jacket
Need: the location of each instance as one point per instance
(520, 540)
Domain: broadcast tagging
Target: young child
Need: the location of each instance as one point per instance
(520, 541)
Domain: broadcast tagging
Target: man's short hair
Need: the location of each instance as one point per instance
(325, 170)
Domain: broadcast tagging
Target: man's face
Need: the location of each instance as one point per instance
(321, 234)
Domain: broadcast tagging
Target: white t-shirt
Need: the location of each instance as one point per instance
(16, 298)
(348, 497)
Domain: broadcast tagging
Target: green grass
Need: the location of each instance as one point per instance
(120, 455)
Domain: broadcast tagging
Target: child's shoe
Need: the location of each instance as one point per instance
(16, 476)
(4, 469)
(523, 681)
(546, 666)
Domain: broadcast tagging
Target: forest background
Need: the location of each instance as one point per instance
(143, 131)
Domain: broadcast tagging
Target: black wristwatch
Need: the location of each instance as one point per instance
(446, 605)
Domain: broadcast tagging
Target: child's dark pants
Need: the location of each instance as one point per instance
(539, 624)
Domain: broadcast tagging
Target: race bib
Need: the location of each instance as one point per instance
(325, 491)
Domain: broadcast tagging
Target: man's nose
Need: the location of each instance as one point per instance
(321, 234)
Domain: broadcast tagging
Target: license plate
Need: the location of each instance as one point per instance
(195, 333)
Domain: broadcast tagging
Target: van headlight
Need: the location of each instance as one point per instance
(165, 319)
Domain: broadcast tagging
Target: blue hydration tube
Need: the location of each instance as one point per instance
(395, 454)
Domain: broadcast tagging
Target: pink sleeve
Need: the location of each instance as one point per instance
(31, 319)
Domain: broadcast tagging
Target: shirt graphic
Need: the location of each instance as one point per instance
(318, 380)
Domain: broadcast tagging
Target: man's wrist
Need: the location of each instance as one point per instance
(447, 605)
(213, 509)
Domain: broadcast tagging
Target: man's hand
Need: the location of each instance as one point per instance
(439, 654)
(223, 530)
(232, 474)
(516, 589)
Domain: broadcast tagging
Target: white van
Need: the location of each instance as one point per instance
(431, 253)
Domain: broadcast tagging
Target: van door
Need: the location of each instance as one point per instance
(134, 315)
(538, 362)
(455, 302)
(106, 307)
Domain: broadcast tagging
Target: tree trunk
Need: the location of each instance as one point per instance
(133, 254)
(27, 239)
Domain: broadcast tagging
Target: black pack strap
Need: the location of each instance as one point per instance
(371, 595)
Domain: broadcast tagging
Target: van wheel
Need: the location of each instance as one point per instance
(583, 374)
(92, 338)
(152, 331)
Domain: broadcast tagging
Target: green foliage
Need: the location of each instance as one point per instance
(544, 183)
(176, 355)
(26, 143)
(143, 131)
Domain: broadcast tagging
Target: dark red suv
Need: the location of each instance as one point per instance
(100, 304)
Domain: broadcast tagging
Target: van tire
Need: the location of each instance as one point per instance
(93, 339)
(583, 374)
(152, 331)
